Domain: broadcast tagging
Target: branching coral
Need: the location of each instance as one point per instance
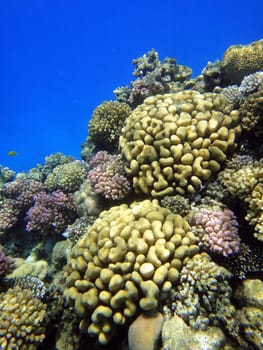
(51, 212)
(221, 230)
(204, 294)
(7, 264)
(106, 124)
(66, 177)
(106, 178)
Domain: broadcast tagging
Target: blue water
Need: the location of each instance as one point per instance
(61, 59)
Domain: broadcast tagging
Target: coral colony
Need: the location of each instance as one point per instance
(153, 240)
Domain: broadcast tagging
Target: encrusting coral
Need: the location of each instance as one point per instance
(129, 260)
(175, 142)
(22, 320)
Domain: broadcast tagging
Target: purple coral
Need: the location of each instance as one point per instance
(105, 177)
(7, 264)
(51, 212)
(221, 230)
(18, 197)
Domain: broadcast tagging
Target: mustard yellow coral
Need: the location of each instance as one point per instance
(106, 124)
(241, 60)
(22, 325)
(129, 260)
(175, 142)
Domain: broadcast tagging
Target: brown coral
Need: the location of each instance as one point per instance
(175, 142)
(241, 60)
(106, 124)
(129, 260)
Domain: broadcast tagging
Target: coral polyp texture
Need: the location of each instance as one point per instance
(7, 264)
(106, 178)
(204, 295)
(221, 230)
(106, 124)
(175, 142)
(246, 184)
(51, 212)
(242, 60)
(66, 177)
(22, 323)
(128, 261)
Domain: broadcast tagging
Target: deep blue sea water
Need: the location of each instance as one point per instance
(61, 59)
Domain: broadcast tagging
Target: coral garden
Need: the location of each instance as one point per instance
(154, 239)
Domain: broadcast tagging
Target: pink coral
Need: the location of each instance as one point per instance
(105, 177)
(221, 230)
(51, 213)
(7, 264)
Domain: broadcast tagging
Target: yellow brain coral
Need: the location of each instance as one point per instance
(174, 142)
(241, 60)
(21, 320)
(129, 260)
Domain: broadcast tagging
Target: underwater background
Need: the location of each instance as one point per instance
(131, 175)
(60, 59)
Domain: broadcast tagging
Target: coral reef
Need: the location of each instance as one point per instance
(245, 183)
(221, 230)
(251, 110)
(66, 177)
(242, 60)
(36, 286)
(87, 201)
(177, 335)
(177, 204)
(158, 230)
(250, 315)
(128, 261)
(175, 142)
(7, 264)
(51, 212)
(204, 295)
(106, 124)
(248, 261)
(6, 175)
(106, 176)
(22, 323)
(154, 77)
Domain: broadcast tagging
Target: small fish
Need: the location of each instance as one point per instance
(12, 153)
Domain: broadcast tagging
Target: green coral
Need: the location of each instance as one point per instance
(129, 260)
(67, 177)
(106, 124)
